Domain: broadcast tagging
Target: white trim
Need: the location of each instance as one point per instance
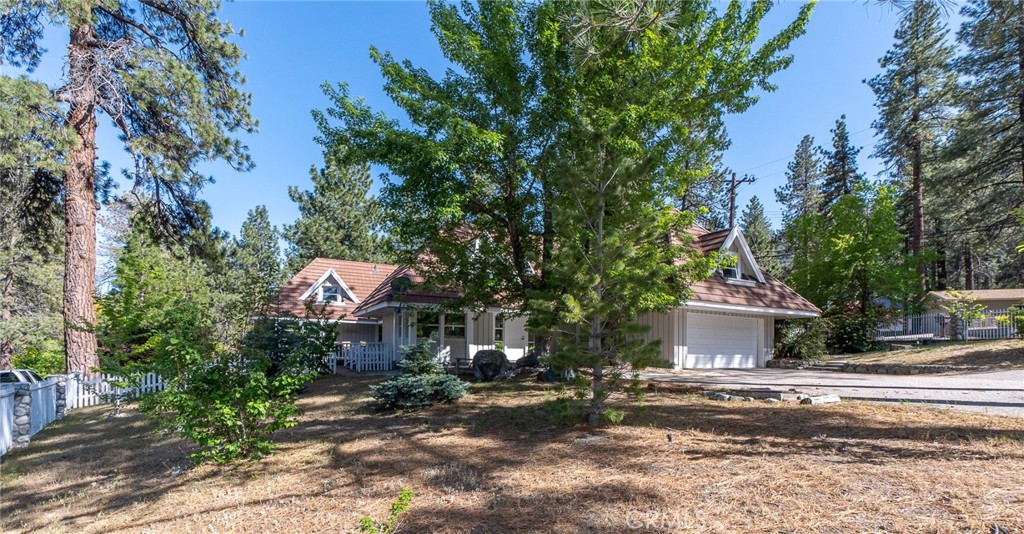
(735, 234)
(330, 272)
(761, 310)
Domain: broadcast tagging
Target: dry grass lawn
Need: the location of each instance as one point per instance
(494, 463)
(1001, 354)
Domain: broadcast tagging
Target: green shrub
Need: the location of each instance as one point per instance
(802, 338)
(228, 406)
(853, 332)
(422, 382)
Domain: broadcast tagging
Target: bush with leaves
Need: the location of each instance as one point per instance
(422, 381)
(223, 394)
(1014, 319)
(802, 338)
(852, 331)
(228, 406)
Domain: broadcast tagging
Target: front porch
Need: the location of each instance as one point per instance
(457, 338)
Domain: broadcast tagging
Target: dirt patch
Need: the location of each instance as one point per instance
(495, 463)
(1001, 354)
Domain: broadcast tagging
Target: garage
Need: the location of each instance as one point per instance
(721, 341)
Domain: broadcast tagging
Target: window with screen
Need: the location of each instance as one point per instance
(499, 328)
(455, 325)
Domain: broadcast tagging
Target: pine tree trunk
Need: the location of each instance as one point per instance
(80, 210)
(968, 269)
(917, 220)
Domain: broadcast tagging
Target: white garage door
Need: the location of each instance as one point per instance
(721, 341)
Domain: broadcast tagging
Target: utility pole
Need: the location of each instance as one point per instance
(733, 185)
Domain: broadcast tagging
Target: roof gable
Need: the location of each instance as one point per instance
(736, 237)
(332, 276)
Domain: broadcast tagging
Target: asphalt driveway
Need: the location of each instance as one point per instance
(995, 392)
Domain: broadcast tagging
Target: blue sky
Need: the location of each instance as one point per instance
(293, 47)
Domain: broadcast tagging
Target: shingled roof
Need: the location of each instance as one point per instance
(362, 278)
(771, 294)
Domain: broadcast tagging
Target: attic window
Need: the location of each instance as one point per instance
(734, 272)
(330, 294)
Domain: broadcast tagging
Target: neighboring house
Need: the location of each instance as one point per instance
(339, 286)
(728, 322)
(991, 299)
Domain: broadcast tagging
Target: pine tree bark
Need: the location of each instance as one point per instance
(80, 209)
(968, 269)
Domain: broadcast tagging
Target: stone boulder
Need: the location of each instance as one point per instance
(530, 360)
(552, 375)
(490, 364)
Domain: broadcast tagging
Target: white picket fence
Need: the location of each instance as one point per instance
(362, 357)
(941, 326)
(44, 404)
(6, 418)
(104, 388)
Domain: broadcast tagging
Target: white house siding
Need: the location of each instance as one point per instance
(357, 333)
(663, 328)
(515, 337)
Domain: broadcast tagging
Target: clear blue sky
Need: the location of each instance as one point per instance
(293, 47)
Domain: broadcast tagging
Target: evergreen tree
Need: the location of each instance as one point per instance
(166, 74)
(913, 97)
(758, 232)
(983, 177)
(256, 263)
(32, 144)
(801, 194)
(840, 175)
(337, 219)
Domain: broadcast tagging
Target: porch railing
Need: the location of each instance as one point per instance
(362, 357)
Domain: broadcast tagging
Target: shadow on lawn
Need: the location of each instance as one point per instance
(460, 448)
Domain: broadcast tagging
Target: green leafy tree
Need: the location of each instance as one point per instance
(337, 219)
(537, 156)
(473, 162)
(840, 174)
(33, 142)
(758, 232)
(964, 307)
(860, 256)
(913, 96)
(166, 75)
(227, 396)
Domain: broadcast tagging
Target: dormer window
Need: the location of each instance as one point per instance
(330, 294)
(735, 272)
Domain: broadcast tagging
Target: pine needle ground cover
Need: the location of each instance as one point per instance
(494, 463)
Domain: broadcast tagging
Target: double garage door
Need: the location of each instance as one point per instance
(722, 341)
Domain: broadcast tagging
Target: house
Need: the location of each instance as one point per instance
(339, 286)
(991, 299)
(729, 322)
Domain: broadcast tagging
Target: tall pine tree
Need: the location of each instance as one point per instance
(337, 219)
(913, 95)
(166, 75)
(758, 232)
(256, 256)
(801, 194)
(840, 175)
